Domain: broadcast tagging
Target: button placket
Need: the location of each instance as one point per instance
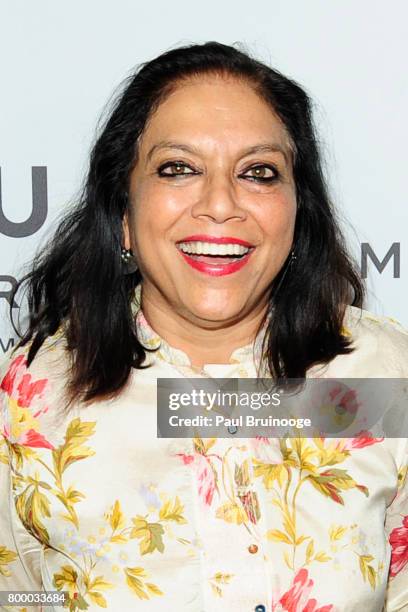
(246, 493)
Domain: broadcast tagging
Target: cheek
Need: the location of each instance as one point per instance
(278, 220)
(156, 209)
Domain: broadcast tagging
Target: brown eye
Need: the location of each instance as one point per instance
(261, 173)
(177, 167)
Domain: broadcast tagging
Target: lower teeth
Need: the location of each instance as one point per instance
(228, 258)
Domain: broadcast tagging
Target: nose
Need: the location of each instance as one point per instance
(218, 200)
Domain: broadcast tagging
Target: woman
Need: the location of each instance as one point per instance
(205, 245)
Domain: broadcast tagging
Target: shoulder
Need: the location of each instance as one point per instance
(357, 316)
(360, 316)
(382, 338)
(28, 392)
(379, 343)
(50, 362)
(386, 333)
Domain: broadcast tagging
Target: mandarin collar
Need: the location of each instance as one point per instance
(150, 338)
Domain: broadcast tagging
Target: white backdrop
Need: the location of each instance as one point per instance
(61, 62)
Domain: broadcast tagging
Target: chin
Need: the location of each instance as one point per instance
(213, 304)
(215, 314)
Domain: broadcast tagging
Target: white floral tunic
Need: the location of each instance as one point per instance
(95, 504)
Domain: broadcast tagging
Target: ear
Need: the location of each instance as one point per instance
(126, 232)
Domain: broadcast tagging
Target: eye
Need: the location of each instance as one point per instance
(179, 168)
(262, 173)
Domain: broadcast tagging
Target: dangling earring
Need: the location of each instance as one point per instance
(128, 261)
(293, 258)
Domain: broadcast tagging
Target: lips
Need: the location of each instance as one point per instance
(213, 264)
(216, 269)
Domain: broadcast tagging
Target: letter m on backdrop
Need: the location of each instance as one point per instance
(367, 252)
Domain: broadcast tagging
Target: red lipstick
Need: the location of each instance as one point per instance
(218, 268)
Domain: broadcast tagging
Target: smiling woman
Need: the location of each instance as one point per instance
(211, 188)
(205, 245)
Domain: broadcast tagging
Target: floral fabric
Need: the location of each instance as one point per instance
(93, 503)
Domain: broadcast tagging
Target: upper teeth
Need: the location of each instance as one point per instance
(211, 248)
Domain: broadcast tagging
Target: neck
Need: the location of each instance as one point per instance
(202, 344)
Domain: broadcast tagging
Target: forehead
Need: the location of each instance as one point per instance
(213, 108)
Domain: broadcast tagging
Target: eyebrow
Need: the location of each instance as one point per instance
(259, 148)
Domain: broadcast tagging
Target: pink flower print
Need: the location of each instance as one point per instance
(250, 502)
(334, 405)
(399, 543)
(18, 383)
(7, 384)
(33, 439)
(187, 459)
(204, 473)
(337, 396)
(21, 424)
(361, 440)
(344, 397)
(296, 599)
(266, 449)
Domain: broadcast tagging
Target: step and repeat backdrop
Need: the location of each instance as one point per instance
(63, 63)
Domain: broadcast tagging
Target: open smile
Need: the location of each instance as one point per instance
(216, 256)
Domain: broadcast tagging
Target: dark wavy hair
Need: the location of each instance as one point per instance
(77, 281)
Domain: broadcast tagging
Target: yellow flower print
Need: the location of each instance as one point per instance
(336, 532)
(345, 331)
(6, 556)
(219, 579)
(136, 580)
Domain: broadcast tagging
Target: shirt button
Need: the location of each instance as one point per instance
(260, 608)
(232, 429)
(253, 549)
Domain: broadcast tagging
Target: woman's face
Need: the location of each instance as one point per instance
(214, 166)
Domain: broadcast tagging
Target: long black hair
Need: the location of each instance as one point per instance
(77, 282)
